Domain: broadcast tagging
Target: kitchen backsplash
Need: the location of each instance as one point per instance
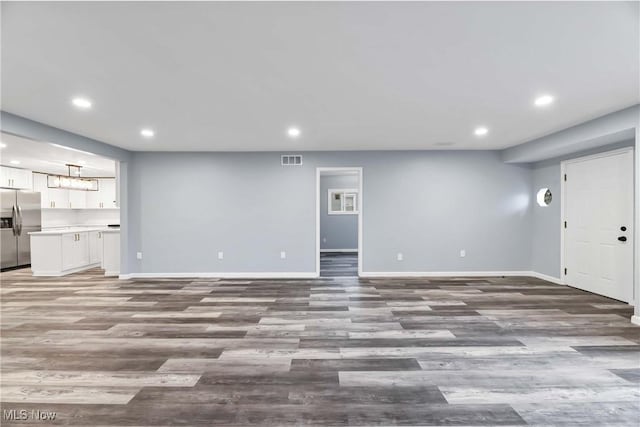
(67, 217)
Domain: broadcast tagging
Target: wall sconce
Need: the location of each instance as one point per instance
(544, 197)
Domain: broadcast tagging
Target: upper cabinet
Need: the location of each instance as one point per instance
(59, 198)
(15, 178)
(105, 197)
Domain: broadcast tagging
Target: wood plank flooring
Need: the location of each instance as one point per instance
(332, 351)
(338, 264)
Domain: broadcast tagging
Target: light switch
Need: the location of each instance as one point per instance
(400, 257)
(283, 255)
(463, 253)
(220, 255)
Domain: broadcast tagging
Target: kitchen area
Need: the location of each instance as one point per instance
(59, 209)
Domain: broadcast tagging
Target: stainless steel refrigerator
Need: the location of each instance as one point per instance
(20, 215)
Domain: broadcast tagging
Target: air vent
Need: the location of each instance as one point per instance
(291, 160)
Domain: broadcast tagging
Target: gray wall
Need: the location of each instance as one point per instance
(427, 205)
(337, 231)
(546, 221)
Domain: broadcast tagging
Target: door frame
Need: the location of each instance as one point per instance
(319, 171)
(563, 190)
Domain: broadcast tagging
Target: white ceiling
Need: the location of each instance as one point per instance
(48, 158)
(353, 76)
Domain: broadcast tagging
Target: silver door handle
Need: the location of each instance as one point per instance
(19, 220)
(14, 220)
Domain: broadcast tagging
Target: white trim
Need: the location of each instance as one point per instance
(541, 276)
(635, 320)
(312, 275)
(563, 183)
(319, 171)
(339, 250)
(447, 274)
(599, 155)
(548, 278)
(111, 273)
(223, 275)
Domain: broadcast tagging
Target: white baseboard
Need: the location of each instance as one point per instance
(444, 273)
(339, 250)
(222, 275)
(547, 278)
(462, 274)
(635, 320)
(313, 275)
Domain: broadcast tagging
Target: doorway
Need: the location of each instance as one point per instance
(339, 221)
(597, 205)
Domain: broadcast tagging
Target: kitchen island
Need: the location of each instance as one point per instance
(61, 251)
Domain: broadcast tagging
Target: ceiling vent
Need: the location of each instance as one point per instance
(291, 160)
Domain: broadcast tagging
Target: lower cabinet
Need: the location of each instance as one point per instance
(60, 253)
(95, 247)
(75, 250)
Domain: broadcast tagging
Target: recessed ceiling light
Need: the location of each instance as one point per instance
(543, 100)
(293, 132)
(481, 131)
(15, 162)
(83, 103)
(147, 133)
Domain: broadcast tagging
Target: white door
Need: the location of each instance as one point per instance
(598, 236)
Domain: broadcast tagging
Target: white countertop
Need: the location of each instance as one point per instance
(71, 230)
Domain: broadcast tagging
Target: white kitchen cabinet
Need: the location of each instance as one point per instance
(59, 198)
(111, 252)
(107, 188)
(95, 247)
(77, 199)
(40, 185)
(69, 248)
(15, 178)
(60, 252)
(62, 198)
(50, 197)
(75, 250)
(105, 197)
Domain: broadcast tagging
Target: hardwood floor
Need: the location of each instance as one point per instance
(338, 264)
(332, 351)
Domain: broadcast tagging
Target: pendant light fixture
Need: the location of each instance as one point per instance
(73, 181)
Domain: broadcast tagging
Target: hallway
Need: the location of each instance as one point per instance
(338, 264)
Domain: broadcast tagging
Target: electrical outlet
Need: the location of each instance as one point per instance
(139, 255)
(463, 253)
(220, 255)
(400, 257)
(283, 255)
